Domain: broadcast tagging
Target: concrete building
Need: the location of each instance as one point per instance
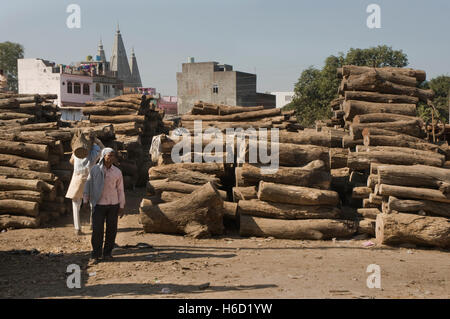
(283, 98)
(217, 83)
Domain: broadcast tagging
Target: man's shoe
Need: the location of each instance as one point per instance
(93, 261)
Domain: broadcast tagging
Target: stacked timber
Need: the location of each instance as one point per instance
(31, 191)
(135, 120)
(415, 203)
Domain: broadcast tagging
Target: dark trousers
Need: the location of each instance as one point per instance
(108, 213)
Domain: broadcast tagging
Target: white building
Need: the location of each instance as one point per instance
(283, 98)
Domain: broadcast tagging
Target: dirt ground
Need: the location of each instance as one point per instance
(224, 267)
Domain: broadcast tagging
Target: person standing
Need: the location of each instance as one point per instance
(105, 191)
(81, 169)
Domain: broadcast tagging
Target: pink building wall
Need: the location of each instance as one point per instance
(169, 104)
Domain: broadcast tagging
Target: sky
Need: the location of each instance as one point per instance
(276, 39)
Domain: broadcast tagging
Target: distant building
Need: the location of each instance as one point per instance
(217, 83)
(283, 98)
(168, 104)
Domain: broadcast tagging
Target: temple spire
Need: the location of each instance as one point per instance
(135, 74)
(119, 59)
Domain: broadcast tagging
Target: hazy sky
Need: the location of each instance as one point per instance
(276, 38)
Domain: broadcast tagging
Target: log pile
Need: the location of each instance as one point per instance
(31, 189)
(135, 120)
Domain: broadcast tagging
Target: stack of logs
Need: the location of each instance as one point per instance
(135, 120)
(378, 107)
(30, 151)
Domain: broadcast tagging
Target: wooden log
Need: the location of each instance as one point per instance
(288, 194)
(293, 155)
(230, 210)
(26, 137)
(22, 195)
(33, 151)
(409, 228)
(216, 169)
(366, 226)
(10, 184)
(12, 172)
(163, 185)
(179, 174)
(376, 199)
(117, 119)
(382, 140)
(223, 126)
(24, 163)
(8, 221)
(393, 75)
(39, 127)
(358, 179)
(414, 193)
(129, 128)
(108, 110)
(362, 160)
(14, 116)
(381, 117)
(349, 142)
(354, 108)
(416, 176)
(234, 117)
(9, 103)
(19, 207)
(373, 82)
(406, 150)
(412, 127)
(380, 97)
(313, 229)
(244, 193)
(259, 208)
(369, 213)
(199, 214)
(361, 192)
(338, 157)
(368, 204)
(413, 206)
(372, 181)
(314, 175)
(326, 139)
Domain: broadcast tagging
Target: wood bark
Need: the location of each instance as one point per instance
(406, 150)
(117, 119)
(414, 193)
(216, 169)
(259, 208)
(409, 228)
(369, 213)
(314, 175)
(362, 160)
(179, 174)
(338, 157)
(230, 210)
(12, 172)
(380, 97)
(412, 127)
(199, 214)
(234, 117)
(288, 194)
(19, 207)
(10, 184)
(33, 151)
(22, 195)
(354, 108)
(244, 193)
(294, 155)
(415, 176)
(381, 117)
(24, 163)
(366, 226)
(361, 192)
(414, 206)
(410, 75)
(368, 204)
(382, 140)
(8, 221)
(313, 229)
(349, 142)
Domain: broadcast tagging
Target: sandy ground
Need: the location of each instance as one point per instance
(224, 267)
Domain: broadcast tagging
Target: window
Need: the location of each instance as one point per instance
(86, 89)
(105, 89)
(69, 88)
(97, 88)
(215, 89)
(77, 88)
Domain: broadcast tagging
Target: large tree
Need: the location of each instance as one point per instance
(317, 87)
(441, 87)
(9, 53)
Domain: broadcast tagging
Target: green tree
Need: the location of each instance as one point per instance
(441, 87)
(9, 53)
(316, 88)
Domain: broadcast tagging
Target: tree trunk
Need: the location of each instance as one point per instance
(354, 108)
(286, 211)
(288, 194)
(338, 157)
(413, 193)
(381, 117)
(299, 155)
(406, 150)
(414, 206)
(117, 119)
(382, 140)
(129, 128)
(416, 176)
(12, 172)
(314, 229)
(179, 174)
(244, 193)
(392, 74)
(107, 110)
(412, 127)
(24, 163)
(234, 117)
(19, 207)
(362, 160)
(361, 192)
(11, 184)
(409, 228)
(349, 143)
(314, 175)
(22, 195)
(230, 210)
(380, 97)
(33, 151)
(369, 213)
(199, 214)
(216, 169)
(7, 221)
